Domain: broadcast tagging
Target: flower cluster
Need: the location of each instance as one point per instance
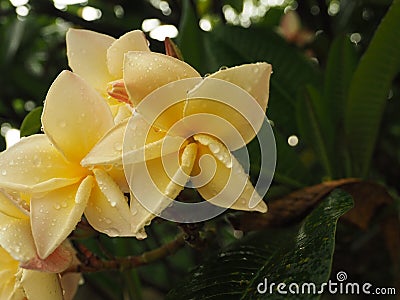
(76, 168)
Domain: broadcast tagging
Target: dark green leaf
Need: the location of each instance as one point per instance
(299, 254)
(369, 90)
(190, 37)
(310, 124)
(342, 62)
(32, 124)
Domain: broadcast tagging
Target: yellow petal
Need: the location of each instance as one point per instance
(131, 41)
(9, 208)
(34, 165)
(253, 78)
(75, 116)
(237, 97)
(70, 284)
(160, 181)
(55, 215)
(140, 217)
(163, 107)
(144, 142)
(117, 173)
(108, 151)
(108, 210)
(16, 237)
(41, 285)
(123, 112)
(87, 56)
(9, 268)
(229, 186)
(146, 71)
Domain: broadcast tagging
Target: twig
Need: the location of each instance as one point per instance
(90, 262)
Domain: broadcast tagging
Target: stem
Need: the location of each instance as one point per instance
(92, 263)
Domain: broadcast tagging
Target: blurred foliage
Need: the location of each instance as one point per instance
(338, 94)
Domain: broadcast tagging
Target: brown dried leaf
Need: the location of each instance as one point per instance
(368, 198)
(289, 208)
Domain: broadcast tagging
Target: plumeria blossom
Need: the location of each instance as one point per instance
(16, 238)
(144, 73)
(19, 284)
(45, 168)
(17, 249)
(98, 59)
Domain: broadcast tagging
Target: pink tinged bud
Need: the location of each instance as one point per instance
(171, 49)
(117, 90)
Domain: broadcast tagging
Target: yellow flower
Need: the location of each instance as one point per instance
(17, 248)
(19, 284)
(98, 59)
(45, 168)
(144, 73)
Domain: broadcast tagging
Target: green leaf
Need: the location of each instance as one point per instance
(312, 129)
(32, 124)
(342, 62)
(369, 89)
(190, 36)
(299, 254)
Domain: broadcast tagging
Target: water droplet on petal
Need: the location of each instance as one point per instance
(62, 124)
(36, 161)
(57, 206)
(64, 204)
(4, 172)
